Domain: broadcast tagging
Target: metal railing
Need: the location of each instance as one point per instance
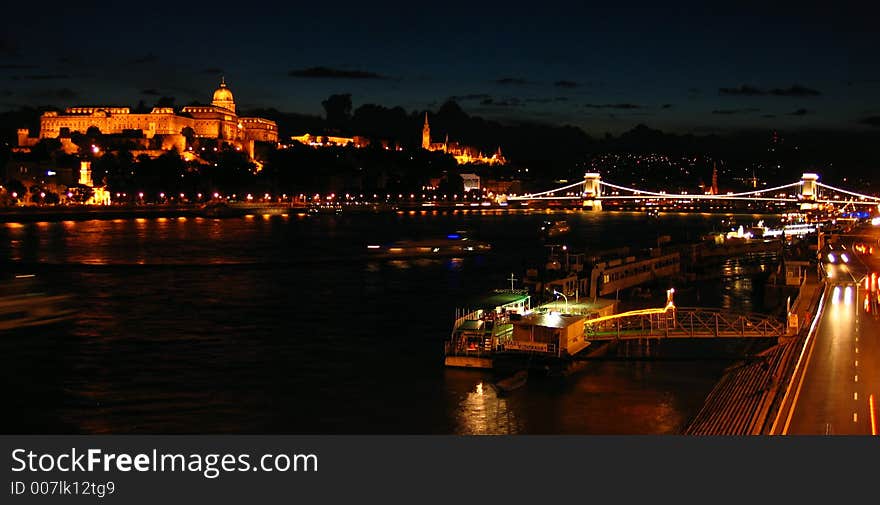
(687, 322)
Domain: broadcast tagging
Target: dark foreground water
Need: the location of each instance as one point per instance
(285, 325)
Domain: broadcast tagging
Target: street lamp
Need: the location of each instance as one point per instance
(558, 294)
(857, 283)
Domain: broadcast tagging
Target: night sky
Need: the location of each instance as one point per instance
(683, 69)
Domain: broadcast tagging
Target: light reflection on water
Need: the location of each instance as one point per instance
(482, 412)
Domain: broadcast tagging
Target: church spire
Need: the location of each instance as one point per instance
(426, 134)
(714, 189)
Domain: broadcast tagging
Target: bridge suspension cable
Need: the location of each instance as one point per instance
(777, 188)
(533, 195)
(744, 195)
(683, 195)
(866, 197)
(675, 196)
(624, 188)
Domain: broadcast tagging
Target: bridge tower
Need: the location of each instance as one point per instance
(809, 191)
(592, 192)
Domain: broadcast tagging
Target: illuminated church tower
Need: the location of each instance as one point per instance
(85, 173)
(223, 97)
(714, 189)
(426, 134)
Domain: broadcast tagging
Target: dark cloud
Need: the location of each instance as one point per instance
(40, 77)
(66, 94)
(333, 73)
(612, 106)
(16, 66)
(466, 98)
(734, 111)
(150, 91)
(566, 84)
(666, 106)
(511, 80)
(800, 112)
(795, 90)
(870, 121)
(744, 90)
(503, 102)
(71, 60)
(768, 116)
(212, 70)
(547, 100)
(148, 58)
(53, 94)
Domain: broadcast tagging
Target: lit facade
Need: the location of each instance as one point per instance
(100, 195)
(328, 140)
(462, 154)
(216, 121)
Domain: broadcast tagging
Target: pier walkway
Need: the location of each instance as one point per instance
(747, 396)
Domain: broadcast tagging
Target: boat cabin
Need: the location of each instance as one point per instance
(549, 334)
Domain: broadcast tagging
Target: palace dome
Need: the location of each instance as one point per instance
(223, 94)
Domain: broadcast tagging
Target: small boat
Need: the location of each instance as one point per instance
(454, 244)
(653, 212)
(512, 382)
(554, 228)
(218, 209)
(25, 308)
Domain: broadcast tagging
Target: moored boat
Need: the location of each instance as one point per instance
(478, 334)
(555, 228)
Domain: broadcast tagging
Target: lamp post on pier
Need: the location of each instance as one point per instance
(558, 294)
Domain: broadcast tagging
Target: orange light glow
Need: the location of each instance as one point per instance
(873, 415)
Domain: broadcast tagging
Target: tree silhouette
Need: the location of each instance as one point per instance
(165, 101)
(189, 134)
(338, 110)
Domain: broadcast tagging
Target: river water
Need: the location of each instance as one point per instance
(283, 324)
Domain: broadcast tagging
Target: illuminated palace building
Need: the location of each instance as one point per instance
(216, 121)
(462, 154)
